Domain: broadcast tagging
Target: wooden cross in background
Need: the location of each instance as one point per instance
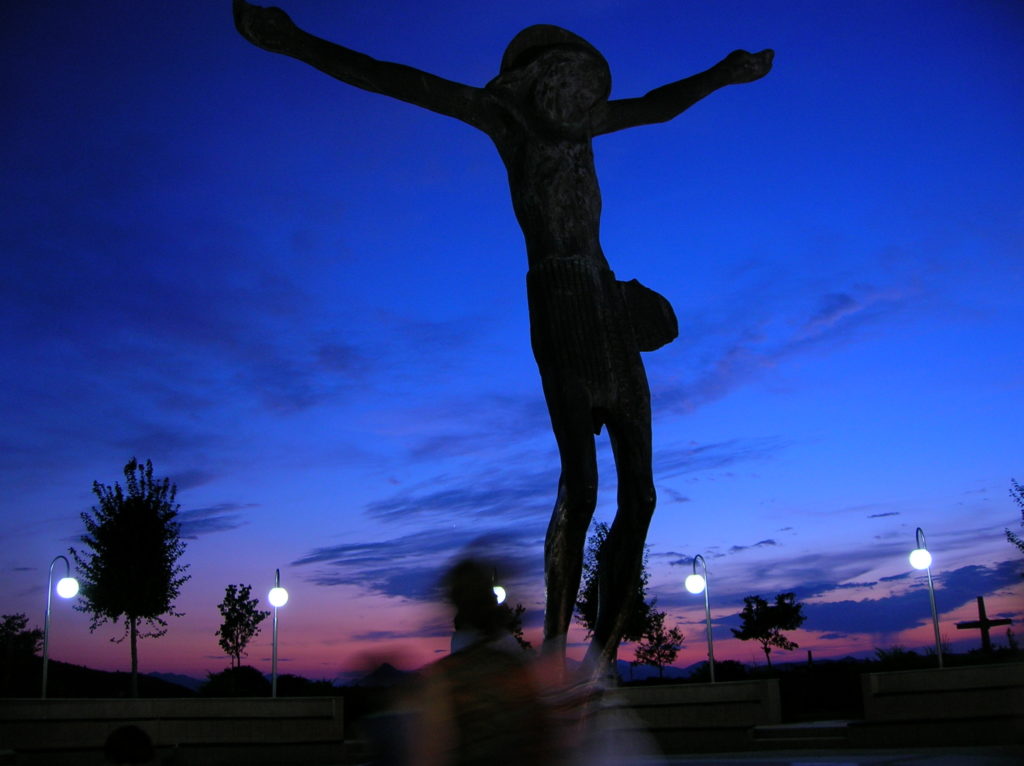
(983, 623)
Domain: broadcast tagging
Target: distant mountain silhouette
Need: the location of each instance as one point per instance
(189, 682)
(387, 674)
(384, 674)
(66, 680)
(630, 672)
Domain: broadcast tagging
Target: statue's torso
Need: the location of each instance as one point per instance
(580, 329)
(555, 194)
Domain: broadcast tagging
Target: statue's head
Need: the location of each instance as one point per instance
(564, 75)
(533, 41)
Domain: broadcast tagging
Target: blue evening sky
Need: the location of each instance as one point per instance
(306, 304)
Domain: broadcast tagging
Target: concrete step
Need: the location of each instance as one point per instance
(807, 734)
(802, 743)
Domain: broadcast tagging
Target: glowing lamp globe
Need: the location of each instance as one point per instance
(277, 597)
(695, 583)
(67, 587)
(920, 558)
(499, 593)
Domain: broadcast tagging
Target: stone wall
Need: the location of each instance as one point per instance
(977, 705)
(702, 717)
(192, 732)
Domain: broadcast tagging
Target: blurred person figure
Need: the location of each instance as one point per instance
(490, 703)
(480, 705)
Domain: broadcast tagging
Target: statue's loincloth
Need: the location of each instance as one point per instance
(587, 328)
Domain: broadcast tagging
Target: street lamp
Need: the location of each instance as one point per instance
(278, 596)
(696, 583)
(67, 587)
(920, 558)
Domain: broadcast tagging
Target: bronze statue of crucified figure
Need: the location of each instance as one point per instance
(587, 329)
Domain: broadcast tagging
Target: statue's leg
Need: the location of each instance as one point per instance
(621, 556)
(567, 532)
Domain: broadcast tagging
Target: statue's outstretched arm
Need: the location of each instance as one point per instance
(272, 30)
(670, 100)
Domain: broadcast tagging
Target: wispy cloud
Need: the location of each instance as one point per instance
(677, 461)
(486, 423)
(411, 566)
(819, 587)
(487, 494)
(769, 543)
(854, 585)
(674, 558)
(192, 477)
(513, 502)
(832, 309)
(669, 495)
(429, 630)
(764, 340)
(215, 518)
(839, 314)
(810, 575)
(904, 611)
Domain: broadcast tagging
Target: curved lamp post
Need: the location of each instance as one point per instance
(499, 592)
(278, 596)
(696, 583)
(920, 558)
(67, 587)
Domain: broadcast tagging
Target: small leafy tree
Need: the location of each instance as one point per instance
(130, 571)
(243, 681)
(586, 600)
(1017, 493)
(17, 639)
(242, 618)
(18, 643)
(658, 647)
(765, 622)
(513, 618)
(725, 670)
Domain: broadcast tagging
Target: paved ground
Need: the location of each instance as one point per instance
(947, 756)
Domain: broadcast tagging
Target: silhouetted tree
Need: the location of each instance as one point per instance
(765, 622)
(242, 618)
(17, 639)
(243, 681)
(725, 670)
(18, 643)
(658, 645)
(131, 572)
(291, 685)
(586, 600)
(898, 658)
(1017, 493)
(513, 617)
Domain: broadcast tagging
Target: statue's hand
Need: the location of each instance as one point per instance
(268, 28)
(747, 67)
